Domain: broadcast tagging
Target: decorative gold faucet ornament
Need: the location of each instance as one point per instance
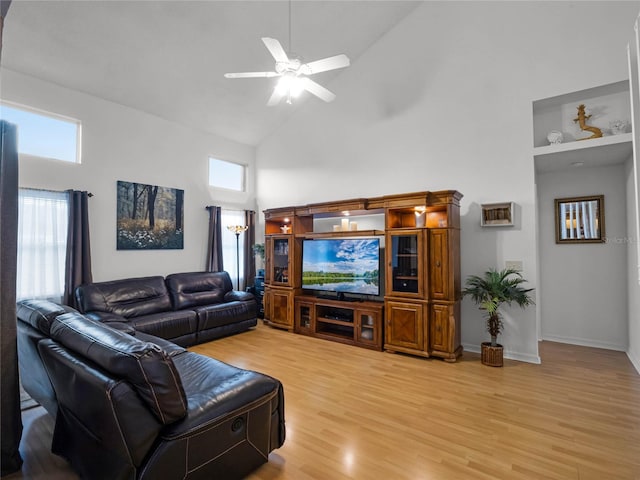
(582, 120)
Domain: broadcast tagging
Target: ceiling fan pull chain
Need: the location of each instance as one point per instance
(290, 48)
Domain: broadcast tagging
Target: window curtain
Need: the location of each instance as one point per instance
(77, 268)
(214, 246)
(10, 420)
(250, 240)
(42, 242)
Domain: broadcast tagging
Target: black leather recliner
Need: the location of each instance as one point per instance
(186, 308)
(128, 405)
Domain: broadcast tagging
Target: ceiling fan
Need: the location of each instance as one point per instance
(294, 75)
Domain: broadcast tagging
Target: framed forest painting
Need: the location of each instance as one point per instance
(149, 217)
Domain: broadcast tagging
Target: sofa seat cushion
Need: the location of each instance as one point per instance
(167, 324)
(216, 391)
(145, 365)
(192, 289)
(131, 297)
(212, 316)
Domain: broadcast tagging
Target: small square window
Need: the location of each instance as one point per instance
(44, 135)
(228, 175)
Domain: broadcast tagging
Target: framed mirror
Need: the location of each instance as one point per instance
(580, 219)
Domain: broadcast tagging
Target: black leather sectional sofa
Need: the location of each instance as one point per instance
(186, 308)
(130, 405)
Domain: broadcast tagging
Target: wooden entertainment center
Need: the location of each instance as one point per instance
(420, 314)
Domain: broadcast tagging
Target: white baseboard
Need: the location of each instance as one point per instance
(511, 355)
(635, 359)
(585, 342)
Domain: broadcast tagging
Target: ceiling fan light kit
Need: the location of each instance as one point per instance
(290, 85)
(294, 74)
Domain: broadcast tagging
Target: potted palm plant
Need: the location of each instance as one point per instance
(489, 292)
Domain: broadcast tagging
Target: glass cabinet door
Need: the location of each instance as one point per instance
(405, 264)
(279, 263)
(304, 317)
(368, 327)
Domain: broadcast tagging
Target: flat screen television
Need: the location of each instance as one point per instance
(342, 265)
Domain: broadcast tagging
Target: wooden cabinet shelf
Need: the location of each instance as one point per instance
(346, 323)
(341, 234)
(355, 323)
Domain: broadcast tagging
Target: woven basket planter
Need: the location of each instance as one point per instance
(491, 356)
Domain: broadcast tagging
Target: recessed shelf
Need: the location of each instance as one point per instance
(605, 103)
(610, 150)
(583, 144)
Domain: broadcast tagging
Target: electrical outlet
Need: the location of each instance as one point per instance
(513, 265)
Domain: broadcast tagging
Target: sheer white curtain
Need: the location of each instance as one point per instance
(229, 253)
(42, 241)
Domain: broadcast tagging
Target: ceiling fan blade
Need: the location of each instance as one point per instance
(276, 49)
(318, 90)
(275, 98)
(251, 75)
(329, 63)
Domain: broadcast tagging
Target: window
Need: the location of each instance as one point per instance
(42, 243)
(229, 253)
(229, 175)
(43, 134)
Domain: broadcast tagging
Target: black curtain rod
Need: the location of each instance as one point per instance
(49, 190)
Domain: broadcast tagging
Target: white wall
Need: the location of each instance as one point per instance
(633, 282)
(444, 101)
(119, 143)
(632, 172)
(583, 287)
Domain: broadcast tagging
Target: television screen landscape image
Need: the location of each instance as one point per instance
(342, 265)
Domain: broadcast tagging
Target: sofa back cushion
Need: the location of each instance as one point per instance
(132, 297)
(40, 313)
(194, 289)
(143, 364)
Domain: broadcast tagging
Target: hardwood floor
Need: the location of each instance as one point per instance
(361, 414)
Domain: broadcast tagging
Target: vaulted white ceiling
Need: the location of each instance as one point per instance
(168, 58)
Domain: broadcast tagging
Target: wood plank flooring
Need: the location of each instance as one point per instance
(358, 414)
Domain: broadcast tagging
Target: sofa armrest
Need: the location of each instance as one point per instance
(125, 426)
(238, 296)
(170, 348)
(167, 346)
(106, 317)
(217, 391)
